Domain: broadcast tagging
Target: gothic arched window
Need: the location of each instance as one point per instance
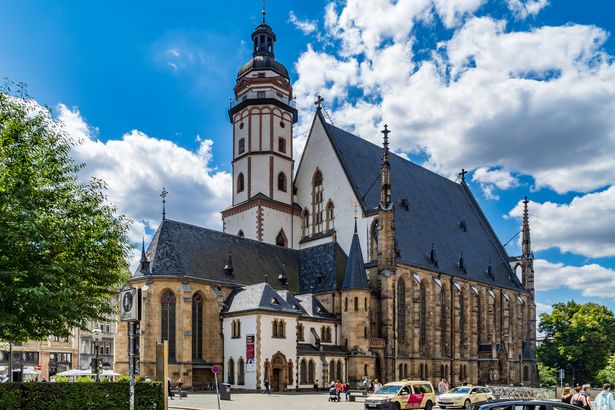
(462, 322)
(356, 304)
(311, 371)
(479, 317)
(422, 318)
(401, 310)
(281, 182)
(443, 322)
(317, 201)
(373, 244)
(339, 374)
(281, 240)
(329, 214)
(241, 372)
(167, 305)
(305, 223)
(240, 183)
(332, 370)
(231, 371)
(197, 326)
(303, 372)
(240, 234)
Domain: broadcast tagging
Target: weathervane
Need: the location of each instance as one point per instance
(163, 195)
(318, 102)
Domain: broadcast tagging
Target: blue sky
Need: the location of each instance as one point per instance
(521, 92)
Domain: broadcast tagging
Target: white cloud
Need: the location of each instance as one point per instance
(585, 226)
(590, 280)
(543, 308)
(495, 178)
(525, 8)
(306, 26)
(137, 166)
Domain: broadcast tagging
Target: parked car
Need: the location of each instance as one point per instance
(416, 394)
(510, 404)
(464, 396)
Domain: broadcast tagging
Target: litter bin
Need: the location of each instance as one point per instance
(225, 391)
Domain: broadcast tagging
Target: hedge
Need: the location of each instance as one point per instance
(79, 396)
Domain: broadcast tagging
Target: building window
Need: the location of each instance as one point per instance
(305, 224)
(281, 240)
(526, 373)
(241, 145)
(365, 332)
(365, 369)
(231, 371)
(325, 333)
(261, 94)
(167, 301)
(340, 375)
(282, 124)
(443, 324)
(356, 304)
(281, 182)
(365, 303)
(241, 125)
(197, 326)
(345, 304)
(300, 332)
(373, 244)
(282, 144)
(241, 372)
(317, 202)
(240, 183)
(303, 372)
(462, 324)
(422, 318)
(240, 234)
(401, 310)
(329, 214)
(478, 320)
(236, 329)
(311, 371)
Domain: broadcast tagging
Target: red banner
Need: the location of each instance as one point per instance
(249, 347)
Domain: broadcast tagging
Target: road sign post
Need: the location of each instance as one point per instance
(130, 311)
(215, 370)
(561, 377)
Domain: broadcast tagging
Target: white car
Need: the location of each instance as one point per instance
(464, 396)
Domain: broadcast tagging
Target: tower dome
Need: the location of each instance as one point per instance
(263, 57)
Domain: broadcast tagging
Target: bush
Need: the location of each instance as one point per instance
(79, 396)
(84, 379)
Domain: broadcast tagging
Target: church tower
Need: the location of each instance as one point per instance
(262, 117)
(527, 256)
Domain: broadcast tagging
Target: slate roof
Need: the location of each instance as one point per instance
(428, 209)
(179, 249)
(308, 349)
(313, 308)
(355, 276)
(257, 297)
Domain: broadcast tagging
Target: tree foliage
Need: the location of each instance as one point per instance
(578, 338)
(62, 246)
(607, 374)
(547, 375)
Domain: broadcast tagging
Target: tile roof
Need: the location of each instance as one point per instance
(429, 209)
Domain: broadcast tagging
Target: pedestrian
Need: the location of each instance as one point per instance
(604, 399)
(567, 395)
(169, 388)
(338, 389)
(587, 395)
(371, 386)
(180, 384)
(266, 383)
(365, 386)
(315, 387)
(442, 386)
(346, 388)
(377, 385)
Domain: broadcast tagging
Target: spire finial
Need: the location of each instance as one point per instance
(386, 133)
(385, 171)
(143, 250)
(354, 205)
(462, 174)
(264, 12)
(228, 268)
(318, 102)
(163, 195)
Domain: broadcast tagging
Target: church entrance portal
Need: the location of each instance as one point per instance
(278, 372)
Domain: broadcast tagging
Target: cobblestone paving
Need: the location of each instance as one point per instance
(255, 401)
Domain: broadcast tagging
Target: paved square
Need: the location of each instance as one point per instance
(255, 401)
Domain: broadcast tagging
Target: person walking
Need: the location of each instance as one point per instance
(377, 385)
(567, 395)
(442, 387)
(346, 388)
(169, 388)
(266, 383)
(365, 386)
(604, 399)
(338, 389)
(316, 386)
(588, 399)
(180, 384)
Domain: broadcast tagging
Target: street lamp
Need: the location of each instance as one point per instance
(96, 337)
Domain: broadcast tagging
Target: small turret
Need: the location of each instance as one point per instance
(527, 256)
(143, 263)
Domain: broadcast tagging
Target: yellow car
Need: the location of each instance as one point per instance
(464, 396)
(403, 395)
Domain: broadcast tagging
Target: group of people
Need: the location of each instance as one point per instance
(180, 385)
(580, 397)
(371, 386)
(336, 388)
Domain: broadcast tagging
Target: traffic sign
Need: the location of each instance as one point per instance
(215, 369)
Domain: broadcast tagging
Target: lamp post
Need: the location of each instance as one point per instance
(96, 337)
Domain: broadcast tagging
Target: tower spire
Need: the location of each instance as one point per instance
(143, 263)
(264, 11)
(385, 172)
(527, 257)
(163, 195)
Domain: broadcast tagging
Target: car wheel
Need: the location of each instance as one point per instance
(428, 405)
(467, 404)
(397, 406)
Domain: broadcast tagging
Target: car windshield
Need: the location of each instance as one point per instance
(460, 390)
(388, 389)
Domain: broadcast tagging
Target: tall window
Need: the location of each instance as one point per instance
(401, 310)
(340, 375)
(197, 326)
(317, 202)
(282, 145)
(241, 372)
(356, 304)
(305, 224)
(281, 182)
(311, 371)
(373, 244)
(300, 335)
(303, 372)
(479, 317)
(236, 329)
(240, 183)
(422, 318)
(167, 302)
(462, 323)
(443, 327)
(241, 145)
(329, 214)
(332, 370)
(231, 371)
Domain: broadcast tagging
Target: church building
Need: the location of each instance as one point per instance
(356, 263)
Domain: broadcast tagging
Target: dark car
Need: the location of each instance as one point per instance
(512, 404)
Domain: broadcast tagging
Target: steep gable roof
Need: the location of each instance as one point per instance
(260, 297)
(355, 276)
(429, 209)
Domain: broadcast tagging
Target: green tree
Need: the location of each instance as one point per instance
(607, 375)
(62, 246)
(547, 375)
(578, 338)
